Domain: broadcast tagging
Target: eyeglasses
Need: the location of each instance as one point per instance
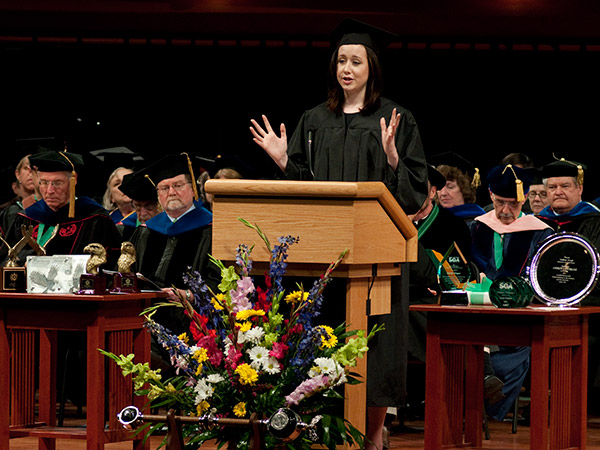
(512, 204)
(178, 187)
(541, 194)
(56, 183)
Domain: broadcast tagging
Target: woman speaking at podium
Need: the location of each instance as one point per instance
(358, 135)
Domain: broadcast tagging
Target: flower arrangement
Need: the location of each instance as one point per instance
(254, 349)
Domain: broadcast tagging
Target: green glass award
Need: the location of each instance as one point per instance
(453, 276)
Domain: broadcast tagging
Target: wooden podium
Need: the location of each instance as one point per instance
(329, 217)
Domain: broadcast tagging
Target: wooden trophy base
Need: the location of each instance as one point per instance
(125, 282)
(92, 284)
(13, 279)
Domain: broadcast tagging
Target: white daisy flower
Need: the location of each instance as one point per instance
(203, 391)
(271, 366)
(255, 335)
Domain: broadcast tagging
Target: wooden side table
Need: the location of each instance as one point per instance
(111, 322)
(558, 338)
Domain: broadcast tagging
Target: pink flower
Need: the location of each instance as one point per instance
(279, 350)
(306, 389)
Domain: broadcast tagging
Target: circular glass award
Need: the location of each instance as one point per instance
(564, 269)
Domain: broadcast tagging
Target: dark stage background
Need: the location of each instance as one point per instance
(158, 99)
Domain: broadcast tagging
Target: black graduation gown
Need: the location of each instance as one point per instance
(347, 147)
(166, 251)
(90, 224)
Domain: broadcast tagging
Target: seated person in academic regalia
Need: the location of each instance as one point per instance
(25, 188)
(145, 202)
(174, 242)
(567, 212)
(503, 241)
(458, 196)
(63, 224)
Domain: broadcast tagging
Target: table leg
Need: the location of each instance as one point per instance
(435, 406)
(540, 366)
(474, 395)
(47, 385)
(95, 384)
(4, 384)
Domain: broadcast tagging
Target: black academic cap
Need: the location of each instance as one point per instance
(351, 31)
(138, 187)
(435, 177)
(453, 160)
(170, 166)
(564, 168)
(509, 181)
(51, 161)
(536, 176)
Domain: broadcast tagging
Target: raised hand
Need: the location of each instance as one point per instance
(275, 146)
(388, 139)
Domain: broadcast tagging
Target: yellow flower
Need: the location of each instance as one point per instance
(218, 300)
(247, 313)
(240, 409)
(244, 326)
(184, 337)
(330, 340)
(170, 389)
(247, 374)
(296, 296)
(200, 355)
(198, 370)
(202, 407)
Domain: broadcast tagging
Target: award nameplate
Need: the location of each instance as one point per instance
(564, 269)
(453, 276)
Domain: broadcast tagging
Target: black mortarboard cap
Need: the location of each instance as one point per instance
(509, 181)
(51, 161)
(435, 177)
(351, 31)
(170, 166)
(564, 168)
(454, 160)
(138, 187)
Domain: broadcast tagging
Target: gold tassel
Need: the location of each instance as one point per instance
(518, 183)
(476, 179)
(520, 194)
(579, 175)
(72, 185)
(194, 186)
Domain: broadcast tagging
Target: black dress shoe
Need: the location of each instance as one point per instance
(492, 389)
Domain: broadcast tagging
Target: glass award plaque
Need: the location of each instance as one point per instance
(564, 269)
(511, 292)
(453, 276)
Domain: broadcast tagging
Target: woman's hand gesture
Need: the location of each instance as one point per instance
(275, 146)
(388, 139)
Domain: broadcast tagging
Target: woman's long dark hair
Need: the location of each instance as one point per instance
(335, 94)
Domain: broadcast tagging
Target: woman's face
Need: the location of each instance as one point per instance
(451, 195)
(352, 69)
(26, 177)
(116, 195)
